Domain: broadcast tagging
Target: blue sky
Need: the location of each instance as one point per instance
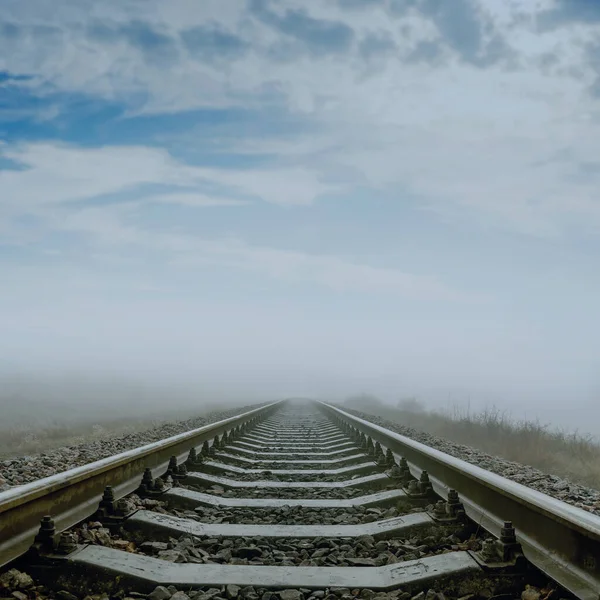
(389, 195)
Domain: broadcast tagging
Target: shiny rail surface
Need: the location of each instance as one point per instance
(298, 462)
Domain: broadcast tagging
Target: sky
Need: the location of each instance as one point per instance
(305, 198)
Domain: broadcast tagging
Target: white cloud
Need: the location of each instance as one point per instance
(56, 180)
(461, 139)
(113, 227)
(52, 174)
(189, 199)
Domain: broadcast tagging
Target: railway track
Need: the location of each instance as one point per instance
(292, 500)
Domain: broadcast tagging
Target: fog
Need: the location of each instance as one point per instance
(108, 352)
(312, 199)
(30, 398)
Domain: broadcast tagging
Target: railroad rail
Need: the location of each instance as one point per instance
(296, 496)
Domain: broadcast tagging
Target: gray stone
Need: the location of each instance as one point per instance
(530, 593)
(291, 595)
(16, 579)
(160, 592)
(232, 591)
(154, 547)
(175, 556)
(361, 562)
(102, 536)
(224, 555)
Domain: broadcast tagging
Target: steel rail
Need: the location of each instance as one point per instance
(74, 495)
(561, 540)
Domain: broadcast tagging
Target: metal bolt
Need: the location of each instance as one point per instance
(67, 543)
(371, 448)
(108, 494)
(172, 467)
(508, 534)
(439, 510)
(147, 479)
(424, 482)
(413, 487)
(489, 551)
(404, 464)
(389, 458)
(453, 504)
(45, 535)
(107, 504)
(192, 456)
(396, 473)
(205, 449)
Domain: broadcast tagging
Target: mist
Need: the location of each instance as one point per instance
(60, 392)
(183, 228)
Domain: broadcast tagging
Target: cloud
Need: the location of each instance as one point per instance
(154, 45)
(321, 36)
(213, 43)
(55, 184)
(426, 52)
(9, 30)
(382, 105)
(56, 174)
(565, 12)
(191, 199)
(374, 45)
(112, 227)
(361, 4)
(465, 27)
(592, 52)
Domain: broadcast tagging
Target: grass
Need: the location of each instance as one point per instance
(18, 441)
(569, 454)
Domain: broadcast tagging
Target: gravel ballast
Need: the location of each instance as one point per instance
(25, 469)
(288, 515)
(552, 485)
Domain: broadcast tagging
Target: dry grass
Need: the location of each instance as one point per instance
(30, 428)
(552, 450)
(18, 441)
